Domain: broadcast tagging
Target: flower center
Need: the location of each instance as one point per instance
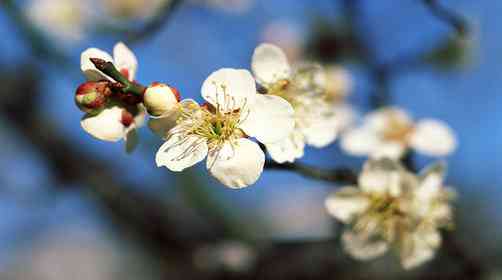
(383, 217)
(209, 123)
(398, 130)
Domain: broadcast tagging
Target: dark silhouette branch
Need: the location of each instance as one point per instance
(457, 22)
(338, 175)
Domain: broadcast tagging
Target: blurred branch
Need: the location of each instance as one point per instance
(472, 268)
(155, 24)
(456, 21)
(339, 175)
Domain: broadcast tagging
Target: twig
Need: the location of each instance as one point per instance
(339, 175)
(456, 21)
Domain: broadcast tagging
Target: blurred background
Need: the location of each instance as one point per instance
(73, 207)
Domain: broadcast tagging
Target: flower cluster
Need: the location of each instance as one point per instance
(284, 108)
(392, 207)
(305, 88)
(390, 132)
(114, 107)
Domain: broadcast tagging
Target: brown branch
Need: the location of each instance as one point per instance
(338, 175)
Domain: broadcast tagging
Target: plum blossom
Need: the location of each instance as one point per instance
(219, 129)
(315, 121)
(392, 207)
(133, 9)
(62, 19)
(117, 120)
(390, 132)
(337, 84)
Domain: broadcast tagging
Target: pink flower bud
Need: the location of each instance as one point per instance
(160, 99)
(91, 97)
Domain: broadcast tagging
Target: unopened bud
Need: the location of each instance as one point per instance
(91, 97)
(160, 98)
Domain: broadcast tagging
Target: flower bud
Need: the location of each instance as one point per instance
(91, 97)
(160, 98)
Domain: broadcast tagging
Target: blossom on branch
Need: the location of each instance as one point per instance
(392, 207)
(390, 132)
(61, 19)
(120, 115)
(315, 119)
(220, 128)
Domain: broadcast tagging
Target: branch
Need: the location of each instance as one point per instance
(456, 21)
(339, 175)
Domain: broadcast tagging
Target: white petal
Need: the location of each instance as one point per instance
(360, 141)
(419, 247)
(288, 149)
(346, 203)
(322, 131)
(139, 119)
(361, 247)
(161, 125)
(434, 138)
(431, 182)
(87, 66)
(270, 64)
(238, 165)
(270, 120)
(229, 89)
(132, 140)
(106, 125)
(124, 58)
(345, 116)
(381, 176)
(180, 152)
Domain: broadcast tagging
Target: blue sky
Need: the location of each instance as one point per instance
(197, 41)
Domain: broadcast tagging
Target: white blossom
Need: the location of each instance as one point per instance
(392, 207)
(315, 120)
(390, 132)
(220, 129)
(117, 121)
(62, 19)
(133, 9)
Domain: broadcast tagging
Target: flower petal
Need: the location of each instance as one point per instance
(161, 125)
(270, 64)
(381, 119)
(124, 58)
(132, 140)
(229, 89)
(419, 247)
(287, 150)
(270, 120)
(237, 165)
(87, 66)
(362, 247)
(431, 182)
(345, 116)
(322, 131)
(433, 137)
(360, 141)
(381, 176)
(106, 125)
(181, 151)
(346, 203)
